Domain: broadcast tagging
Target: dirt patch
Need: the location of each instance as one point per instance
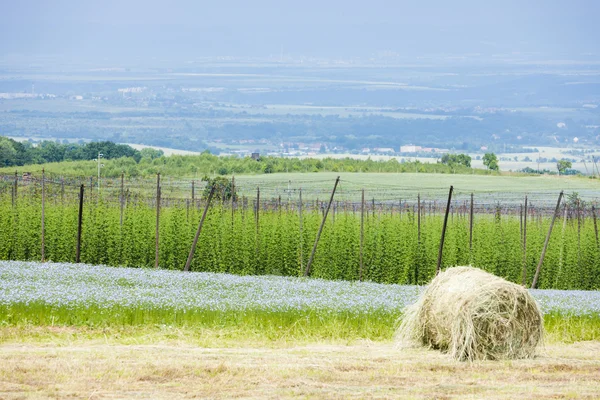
(362, 370)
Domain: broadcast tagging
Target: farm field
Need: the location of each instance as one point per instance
(58, 294)
(399, 244)
(167, 370)
(432, 185)
(103, 332)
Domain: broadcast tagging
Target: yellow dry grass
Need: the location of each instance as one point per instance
(165, 369)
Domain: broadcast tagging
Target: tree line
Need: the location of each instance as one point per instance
(212, 165)
(14, 153)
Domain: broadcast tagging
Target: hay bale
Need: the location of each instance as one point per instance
(474, 315)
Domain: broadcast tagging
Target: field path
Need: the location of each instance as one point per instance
(360, 370)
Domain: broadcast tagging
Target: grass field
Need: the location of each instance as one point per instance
(169, 369)
(431, 186)
(95, 332)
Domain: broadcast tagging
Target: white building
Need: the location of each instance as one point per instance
(410, 148)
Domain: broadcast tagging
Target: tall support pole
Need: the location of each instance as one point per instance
(232, 200)
(122, 195)
(419, 217)
(471, 225)
(312, 254)
(79, 225)
(257, 207)
(539, 266)
(362, 234)
(188, 263)
(595, 224)
(257, 218)
(15, 189)
(43, 215)
(301, 234)
(524, 275)
(157, 220)
(578, 234)
(441, 250)
(193, 191)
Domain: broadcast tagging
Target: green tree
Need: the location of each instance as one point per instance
(491, 161)
(8, 154)
(456, 159)
(563, 165)
(223, 189)
(150, 153)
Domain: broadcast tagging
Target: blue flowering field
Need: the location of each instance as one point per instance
(79, 294)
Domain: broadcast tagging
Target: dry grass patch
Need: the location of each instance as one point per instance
(85, 369)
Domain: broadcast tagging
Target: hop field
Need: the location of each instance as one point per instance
(79, 294)
(399, 247)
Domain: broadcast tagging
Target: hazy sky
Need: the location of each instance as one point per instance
(184, 29)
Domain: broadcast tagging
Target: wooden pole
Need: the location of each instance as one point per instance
(595, 224)
(301, 235)
(79, 225)
(362, 233)
(312, 254)
(43, 215)
(195, 242)
(232, 200)
(16, 186)
(419, 217)
(578, 233)
(257, 217)
(122, 195)
(193, 191)
(471, 225)
(157, 220)
(524, 275)
(439, 261)
(539, 266)
(257, 207)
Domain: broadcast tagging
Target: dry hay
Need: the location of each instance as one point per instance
(474, 315)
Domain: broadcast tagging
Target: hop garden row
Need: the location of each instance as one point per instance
(279, 242)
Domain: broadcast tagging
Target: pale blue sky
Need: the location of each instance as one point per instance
(186, 29)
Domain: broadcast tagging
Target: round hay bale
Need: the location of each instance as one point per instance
(474, 315)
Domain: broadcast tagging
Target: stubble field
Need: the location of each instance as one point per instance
(86, 368)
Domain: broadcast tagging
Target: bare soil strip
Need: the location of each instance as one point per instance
(360, 370)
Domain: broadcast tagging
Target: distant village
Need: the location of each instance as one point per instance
(301, 149)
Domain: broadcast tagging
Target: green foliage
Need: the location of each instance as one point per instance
(232, 242)
(13, 153)
(223, 188)
(209, 164)
(491, 161)
(149, 152)
(563, 165)
(456, 159)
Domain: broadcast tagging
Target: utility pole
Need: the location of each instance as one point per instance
(100, 155)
